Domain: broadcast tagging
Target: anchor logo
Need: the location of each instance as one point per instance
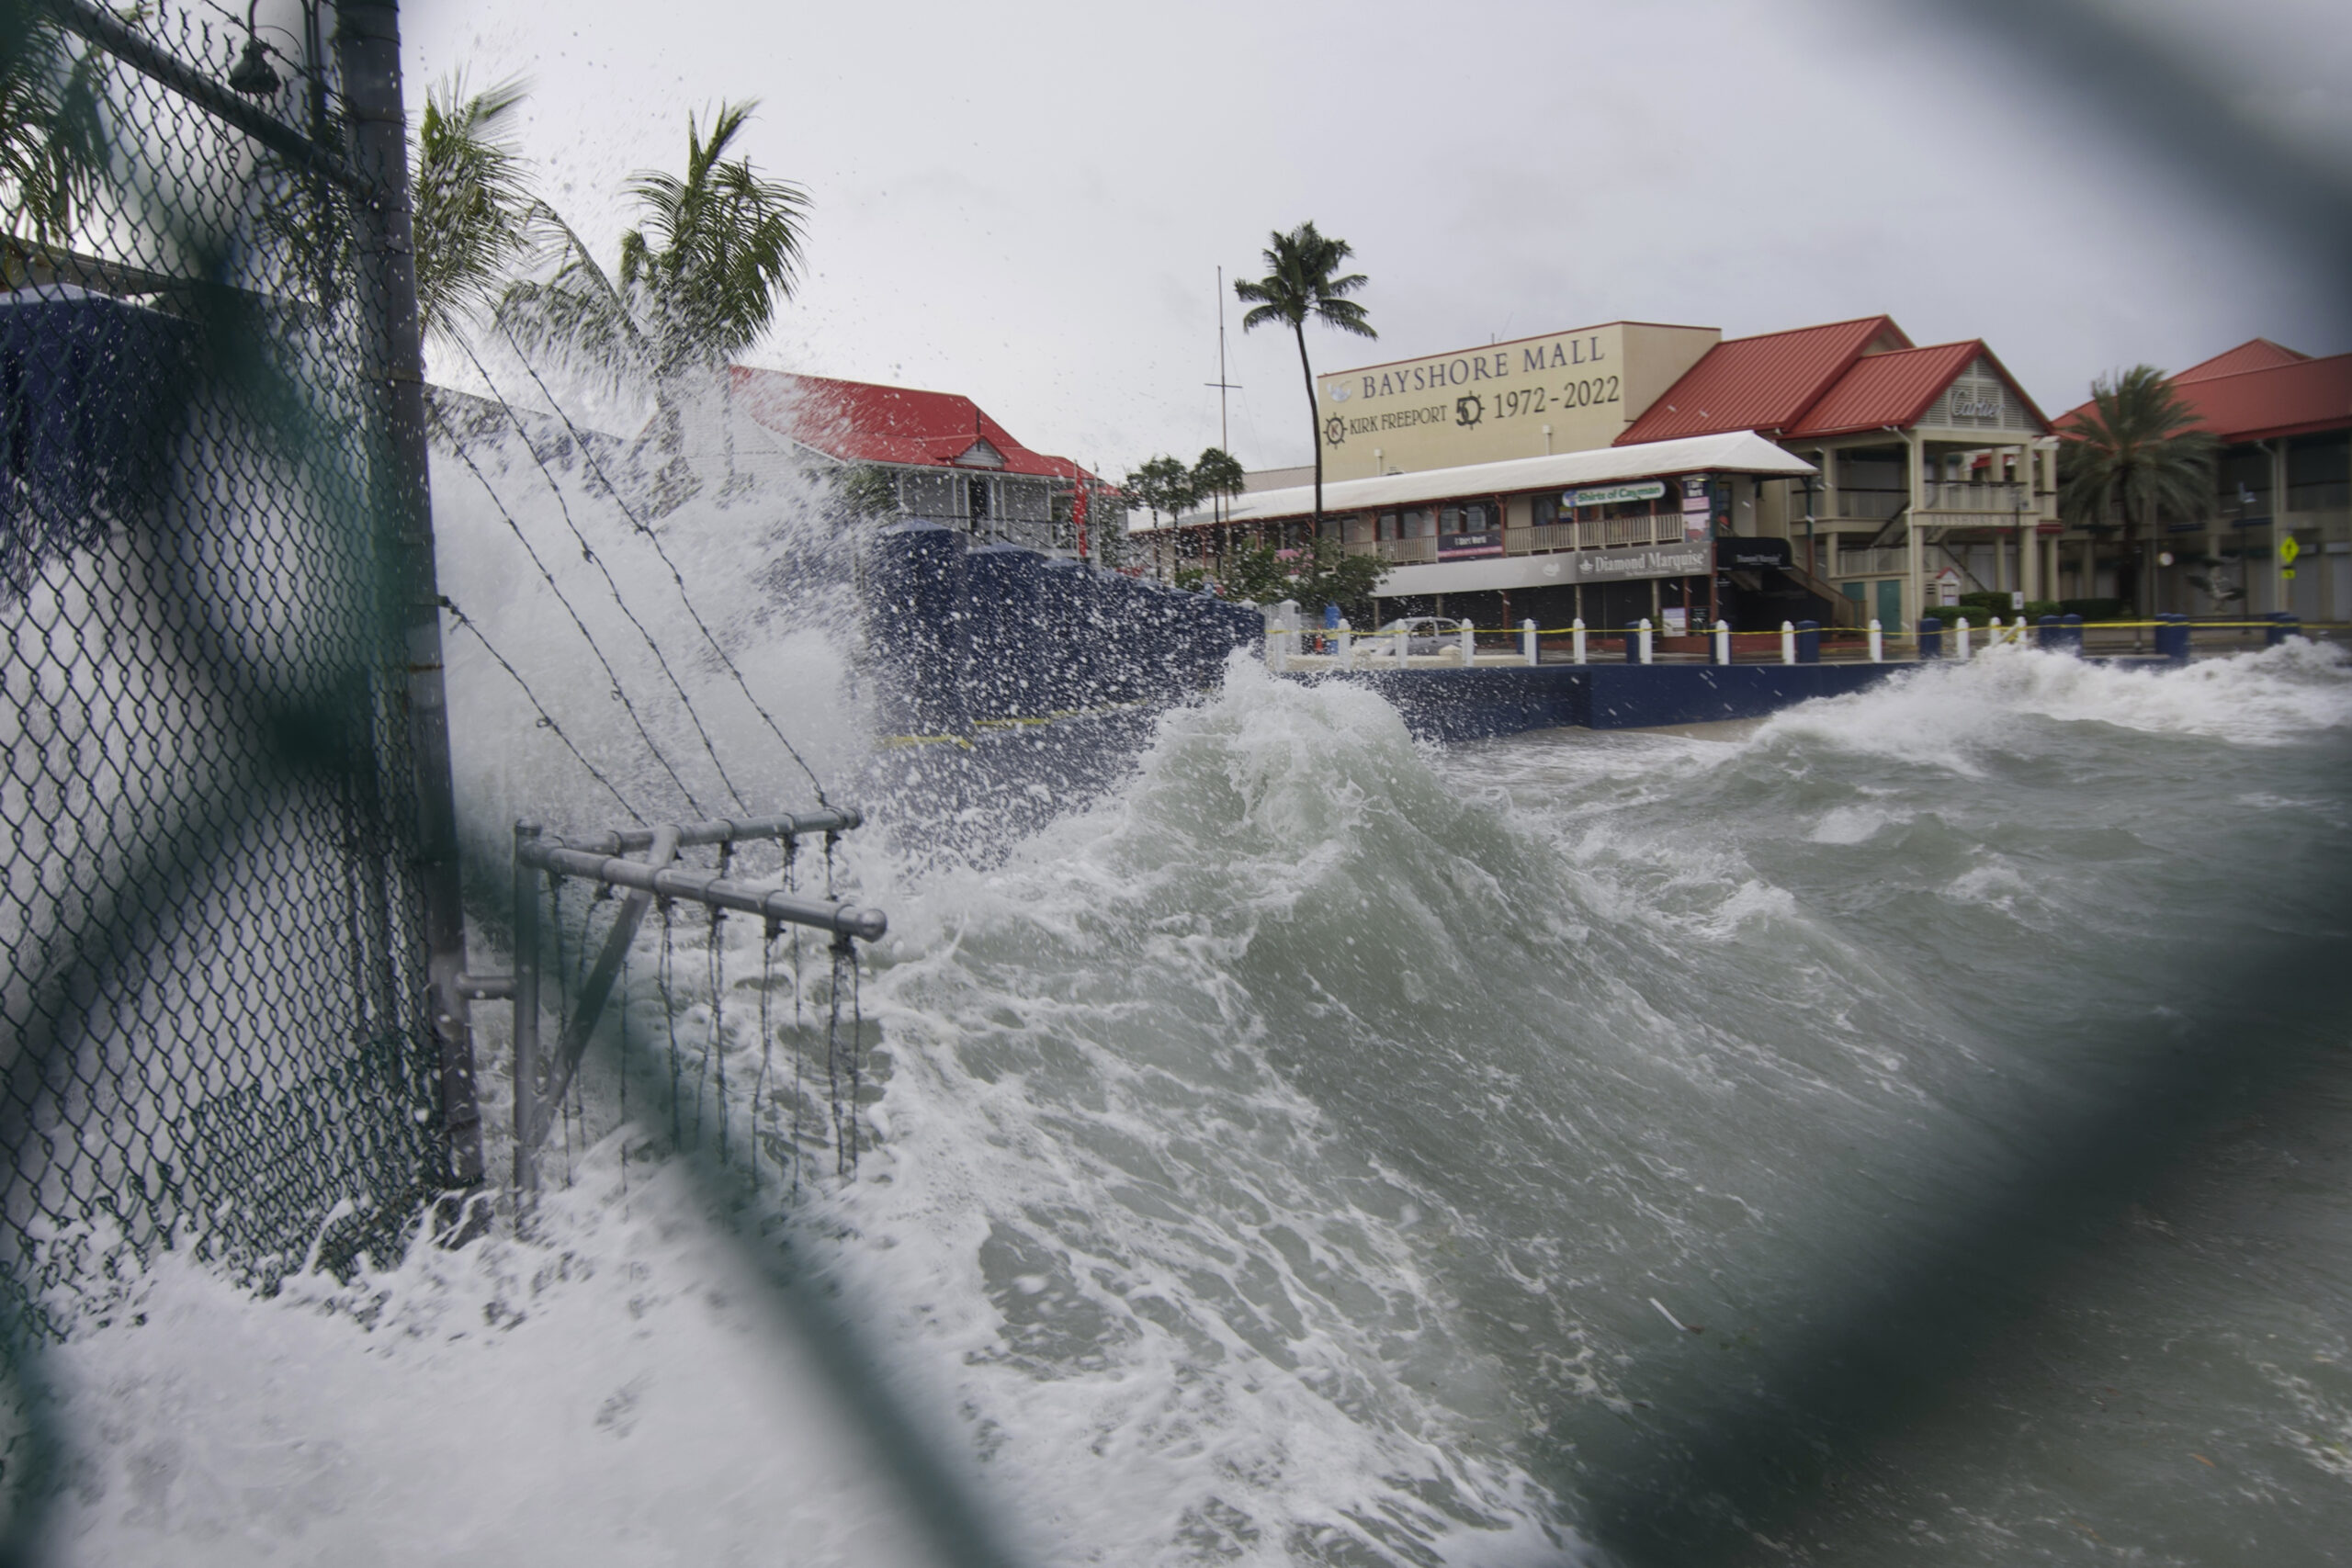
(1469, 411)
(1335, 430)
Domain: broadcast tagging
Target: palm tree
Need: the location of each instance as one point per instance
(1299, 284)
(699, 278)
(52, 140)
(1217, 477)
(2135, 453)
(474, 219)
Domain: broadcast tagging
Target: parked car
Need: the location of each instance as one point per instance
(1425, 636)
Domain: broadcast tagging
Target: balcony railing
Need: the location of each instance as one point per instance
(1540, 540)
(1947, 495)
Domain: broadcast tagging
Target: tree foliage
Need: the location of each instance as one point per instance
(1321, 573)
(1303, 283)
(714, 251)
(1162, 484)
(53, 135)
(1217, 476)
(474, 213)
(2134, 456)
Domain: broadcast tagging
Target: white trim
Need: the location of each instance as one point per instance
(1734, 452)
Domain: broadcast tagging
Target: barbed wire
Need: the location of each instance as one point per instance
(650, 744)
(588, 554)
(588, 454)
(547, 719)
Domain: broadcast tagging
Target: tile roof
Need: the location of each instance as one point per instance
(862, 422)
(1762, 383)
(1882, 389)
(2255, 354)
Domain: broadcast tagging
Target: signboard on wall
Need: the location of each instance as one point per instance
(1571, 391)
(1461, 547)
(1615, 495)
(1642, 561)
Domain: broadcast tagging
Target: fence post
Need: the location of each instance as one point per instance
(1931, 636)
(368, 44)
(526, 1011)
(1527, 641)
(1723, 642)
(1808, 642)
(1961, 640)
(1878, 644)
(1575, 638)
(1788, 642)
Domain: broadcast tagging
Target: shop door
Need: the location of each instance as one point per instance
(1890, 603)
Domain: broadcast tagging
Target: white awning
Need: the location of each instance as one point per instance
(1735, 452)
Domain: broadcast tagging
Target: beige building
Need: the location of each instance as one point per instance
(1570, 391)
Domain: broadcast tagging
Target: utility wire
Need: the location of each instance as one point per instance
(589, 453)
(547, 719)
(612, 674)
(588, 554)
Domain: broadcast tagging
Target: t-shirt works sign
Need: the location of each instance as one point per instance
(1570, 393)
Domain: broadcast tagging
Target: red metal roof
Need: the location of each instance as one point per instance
(1764, 383)
(2299, 396)
(1880, 391)
(861, 421)
(2296, 399)
(2255, 354)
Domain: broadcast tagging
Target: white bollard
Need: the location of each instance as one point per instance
(1343, 643)
(1788, 642)
(1878, 644)
(1961, 643)
(1469, 645)
(1645, 627)
(1723, 642)
(1527, 640)
(1993, 637)
(1575, 638)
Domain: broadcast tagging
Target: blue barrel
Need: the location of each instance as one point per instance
(2072, 638)
(2048, 633)
(2283, 627)
(1931, 637)
(916, 628)
(2172, 638)
(1004, 655)
(1808, 642)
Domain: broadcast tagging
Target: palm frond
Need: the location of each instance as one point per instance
(473, 212)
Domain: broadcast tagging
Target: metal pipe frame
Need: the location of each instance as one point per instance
(720, 832)
(848, 919)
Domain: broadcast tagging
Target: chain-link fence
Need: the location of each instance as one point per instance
(214, 913)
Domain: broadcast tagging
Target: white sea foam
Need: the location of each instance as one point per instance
(1951, 714)
(613, 1392)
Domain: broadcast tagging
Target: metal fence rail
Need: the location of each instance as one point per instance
(229, 874)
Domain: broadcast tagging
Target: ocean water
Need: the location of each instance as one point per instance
(1914, 1127)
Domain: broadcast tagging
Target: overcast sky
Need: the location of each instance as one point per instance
(1028, 202)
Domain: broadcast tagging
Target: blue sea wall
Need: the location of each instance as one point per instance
(963, 640)
(1478, 703)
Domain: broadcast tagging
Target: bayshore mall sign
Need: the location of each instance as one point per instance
(1569, 392)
